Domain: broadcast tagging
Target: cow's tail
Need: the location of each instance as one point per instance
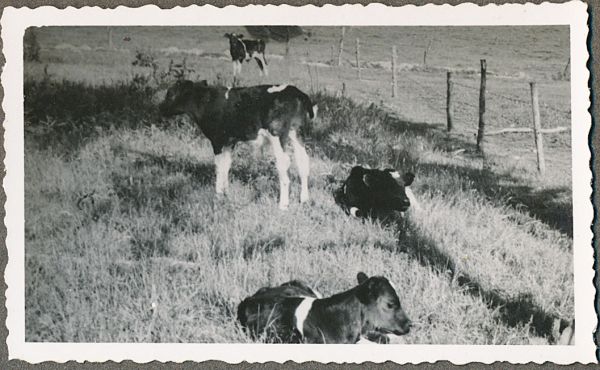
(308, 105)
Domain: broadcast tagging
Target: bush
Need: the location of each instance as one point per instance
(63, 113)
(31, 47)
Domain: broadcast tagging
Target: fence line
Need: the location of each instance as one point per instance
(515, 100)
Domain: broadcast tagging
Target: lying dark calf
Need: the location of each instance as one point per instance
(375, 193)
(294, 313)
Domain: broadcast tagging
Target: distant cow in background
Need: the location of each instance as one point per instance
(244, 50)
(295, 313)
(226, 116)
(375, 193)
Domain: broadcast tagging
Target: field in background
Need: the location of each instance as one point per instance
(125, 241)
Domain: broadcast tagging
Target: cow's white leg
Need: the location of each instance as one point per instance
(239, 67)
(303, 164)
(414, 204)
(282, 161)
(234, 67)
(262, 58)
(222, 164)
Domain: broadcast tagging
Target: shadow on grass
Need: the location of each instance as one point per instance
(545, 205)
(551, 206)
(513, 311)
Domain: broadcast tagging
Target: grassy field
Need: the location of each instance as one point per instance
(126, 241)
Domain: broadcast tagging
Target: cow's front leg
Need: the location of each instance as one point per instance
(222, 164)
(282, 161)
(303, 164)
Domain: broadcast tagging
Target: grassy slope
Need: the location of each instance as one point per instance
(479, 259)
(152, 232)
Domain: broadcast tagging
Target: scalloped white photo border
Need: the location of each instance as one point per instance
(574, 14)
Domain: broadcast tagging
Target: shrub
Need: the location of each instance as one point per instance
(31, 47)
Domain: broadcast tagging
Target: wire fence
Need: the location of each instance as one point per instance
(422, 91)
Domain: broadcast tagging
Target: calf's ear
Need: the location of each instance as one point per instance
(408, 178)
(361, 277)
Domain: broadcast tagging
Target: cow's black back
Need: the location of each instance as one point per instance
(270, 311)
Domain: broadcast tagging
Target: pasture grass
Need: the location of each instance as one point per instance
(126, 241)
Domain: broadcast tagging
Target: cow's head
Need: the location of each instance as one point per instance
(375, 192)
(234, 35)
(381, 309)
(397, 190)
(179, 96)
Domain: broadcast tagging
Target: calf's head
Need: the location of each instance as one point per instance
(234, 35)
(382, 311)
(397, 189)
(182, 97)
(375, 192)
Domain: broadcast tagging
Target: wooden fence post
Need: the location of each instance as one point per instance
(332, 54)
(358, 58)
(537, 133)
(449, 102)
(339, 63)
(425, 53)
(481, 130)
(110, 41)
(394, 81)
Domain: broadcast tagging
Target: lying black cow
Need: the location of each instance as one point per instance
(375, 193)
(244, 50)
(294, 313)
(227, 116)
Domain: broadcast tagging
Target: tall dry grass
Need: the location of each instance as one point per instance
(126, 241)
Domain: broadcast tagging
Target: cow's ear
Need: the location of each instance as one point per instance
(240, 36)
(367, 291)
(226, 35)
(357, 171)
(367, 179)
(361, 277)
(408, 178)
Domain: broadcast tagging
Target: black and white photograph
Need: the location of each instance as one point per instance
(254, 182)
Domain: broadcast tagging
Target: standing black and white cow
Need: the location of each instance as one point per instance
(226, 116)
(295, 313)
(376, 193)
(244, 50)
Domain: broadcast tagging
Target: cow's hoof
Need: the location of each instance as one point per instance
(283, 207)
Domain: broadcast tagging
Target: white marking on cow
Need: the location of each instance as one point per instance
(276, 88)
(395, 174)
(319, 295)
(223, 163)
(414, 204)
(261, 57)
(237, 67)
(354, 211)
(364, 340)
(315, 109)
(302, 312)
(393, 286)
(282, 162)
(302, 163)
(227, 93)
